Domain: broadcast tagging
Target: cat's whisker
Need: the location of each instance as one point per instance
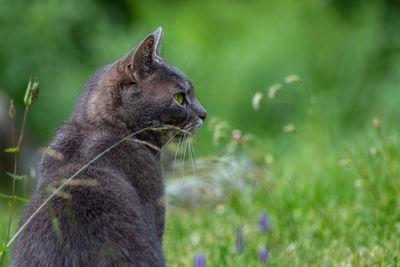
(191, 157)
(176, 153)
(194, 149)
(184, 155)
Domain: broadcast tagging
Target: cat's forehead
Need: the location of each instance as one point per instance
(170, 86)
(183, 83)
(175, 77)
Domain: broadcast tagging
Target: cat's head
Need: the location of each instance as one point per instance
(141, 90)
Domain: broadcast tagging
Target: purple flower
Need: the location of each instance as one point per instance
(263, 255)
(239, 239)
(263, 222)
(199, 260)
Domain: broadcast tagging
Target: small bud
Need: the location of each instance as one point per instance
(32, 92)
(11, 109)
(344, 162)
(220, 131)
(256, 100)
(376, 123)
(212, 122)
(292, 78)
(272, 90)
(263, 255)
(220, 209)
(358, 183)
(269, 159)
(288, 128)
(373, 151)
(247, 138)
(195, 238)
(236, 135)
(263, 222)
(199, 260)
(239, 239)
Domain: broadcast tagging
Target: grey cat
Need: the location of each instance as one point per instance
(112, 213)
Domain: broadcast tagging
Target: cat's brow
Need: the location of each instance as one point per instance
(185, 85)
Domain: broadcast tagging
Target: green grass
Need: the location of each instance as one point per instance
(332, 201)
(328, 206)
(4, 215)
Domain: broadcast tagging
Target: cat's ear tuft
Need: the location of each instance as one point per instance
(157, 38)
(142, 58)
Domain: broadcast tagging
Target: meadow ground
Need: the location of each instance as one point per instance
(331, 200)
(324, 210)
(326, 173)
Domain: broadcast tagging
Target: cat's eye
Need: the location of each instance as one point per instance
(179, 97)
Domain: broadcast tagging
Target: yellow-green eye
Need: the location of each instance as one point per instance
(179, 97)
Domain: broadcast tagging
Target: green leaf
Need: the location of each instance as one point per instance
(16, 177)
(3, 248)
(16, 197)
(28, 91)
(11, 150)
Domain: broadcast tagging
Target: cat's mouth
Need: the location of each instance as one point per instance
(193, 127)
(187, 131)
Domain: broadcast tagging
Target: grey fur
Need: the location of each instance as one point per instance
(114, 213)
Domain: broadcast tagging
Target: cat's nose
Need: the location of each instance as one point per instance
(203, 116)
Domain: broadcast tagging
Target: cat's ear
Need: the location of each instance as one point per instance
(141, 59)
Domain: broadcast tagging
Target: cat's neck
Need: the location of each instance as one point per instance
(150, 136)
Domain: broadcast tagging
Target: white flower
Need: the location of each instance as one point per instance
(288, 128)
(272, 90)
(256, 100)
(376, 123)
(292, 78)
(344, 162)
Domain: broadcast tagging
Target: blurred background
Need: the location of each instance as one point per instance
(346, 52)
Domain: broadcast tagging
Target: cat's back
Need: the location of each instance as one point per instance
(96, 217)
(87, 225)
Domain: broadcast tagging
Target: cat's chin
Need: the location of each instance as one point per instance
(193, 127)
(177, 134)
(198, 124)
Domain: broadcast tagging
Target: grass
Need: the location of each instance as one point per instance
(323, 212)
(4, 220)
(332, 200)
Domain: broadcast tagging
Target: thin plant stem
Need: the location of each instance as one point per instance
(18, 145)
(172, 137)
(23, 126)
(346, 149)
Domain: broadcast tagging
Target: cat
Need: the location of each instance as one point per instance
(113, 212)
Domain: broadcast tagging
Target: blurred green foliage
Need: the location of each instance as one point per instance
(330, 183)
(348, 51)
